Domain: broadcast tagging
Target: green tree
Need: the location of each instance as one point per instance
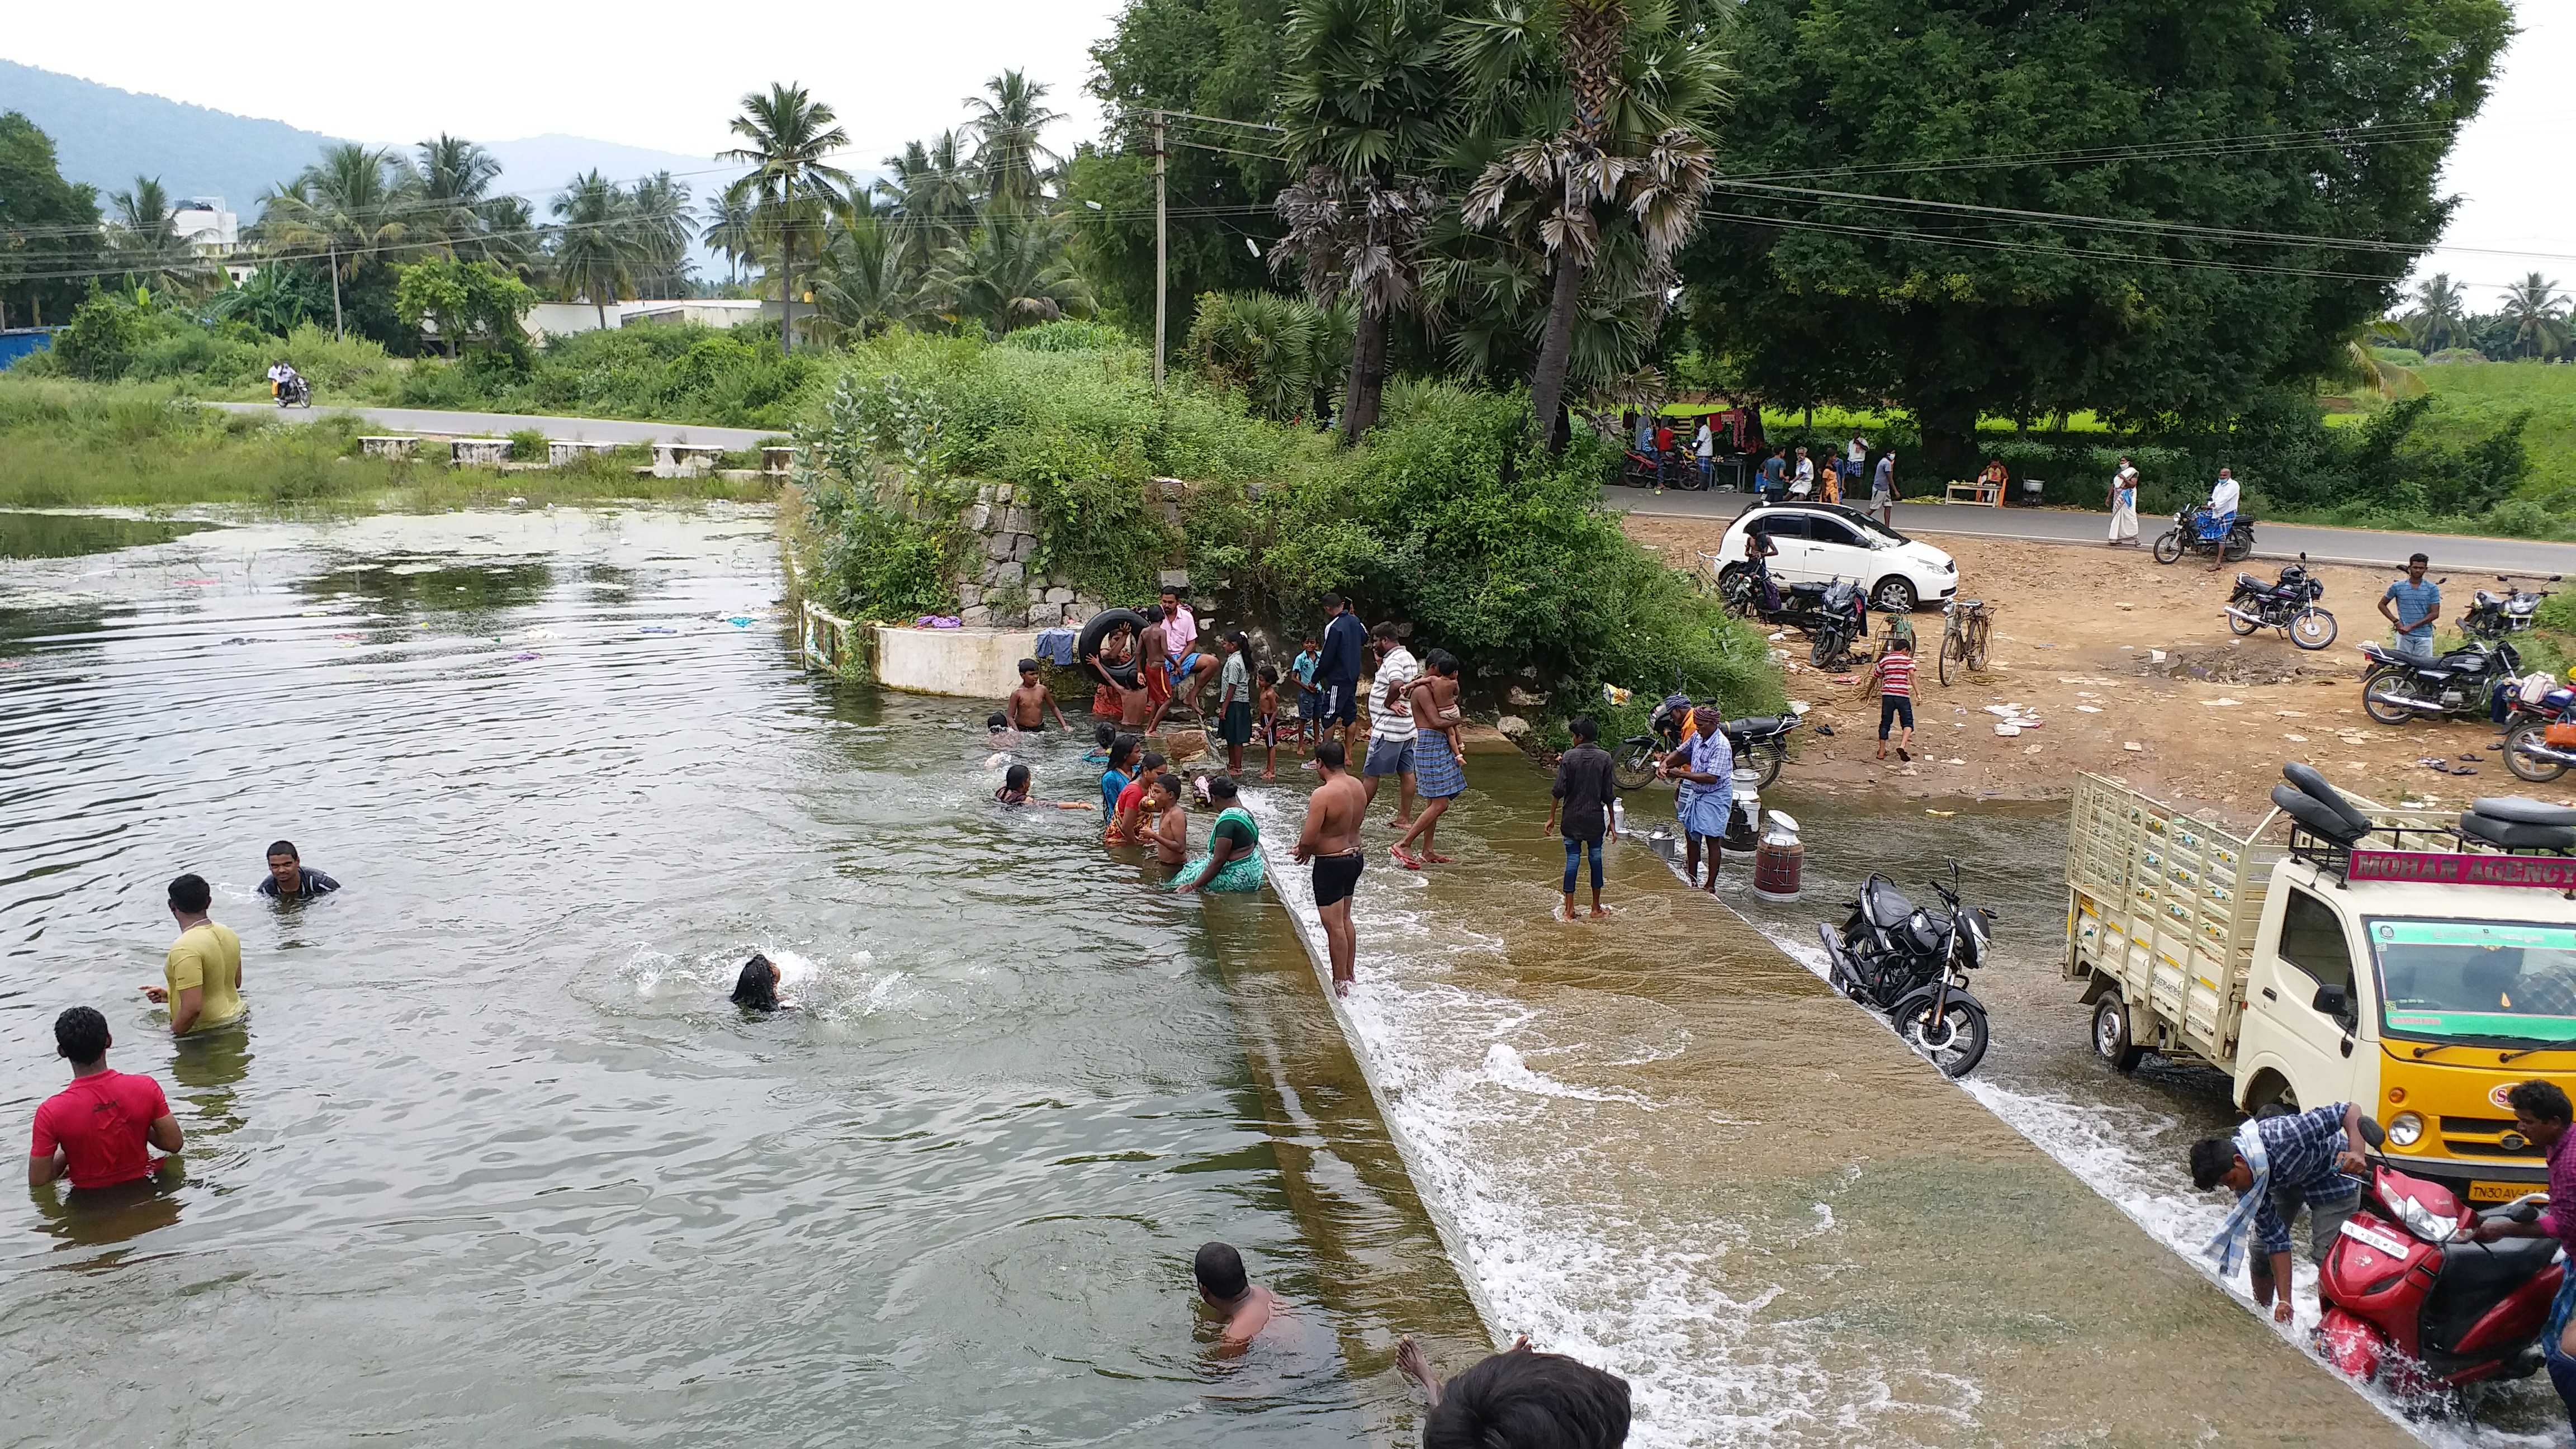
(598, 248)
(49, 236)
(862, 285)
(1846, 272)
(2537, 312)
(1612, 105)
(275, 299)
(1006, 123)
(659, 205)
(455, 179)
(933, 192)
(1014, 269)
(792, 183)
(145, 240)
(1366, 94)
(1281, 353)
(2441, 315)
(459, 300)
(350, 209)
(729, 231)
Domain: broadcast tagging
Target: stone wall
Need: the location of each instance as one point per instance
(1002, 593)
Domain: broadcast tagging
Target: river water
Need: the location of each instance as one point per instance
(493, 1160)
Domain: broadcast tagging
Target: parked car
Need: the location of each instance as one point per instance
(1822, 542)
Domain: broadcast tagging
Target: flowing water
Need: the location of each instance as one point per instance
(493, 1161)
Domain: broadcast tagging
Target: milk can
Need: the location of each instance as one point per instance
(1779, 860)
(1747, 817)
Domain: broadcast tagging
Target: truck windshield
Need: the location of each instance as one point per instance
(2485, 980)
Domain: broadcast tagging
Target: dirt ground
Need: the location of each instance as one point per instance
(2076, 633)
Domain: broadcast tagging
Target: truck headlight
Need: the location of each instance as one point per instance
(2405, 1129)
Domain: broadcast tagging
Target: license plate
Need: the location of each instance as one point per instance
(2500, 1191)
(2372, 1237)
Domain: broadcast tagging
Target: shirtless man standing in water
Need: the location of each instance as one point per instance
(1331, 843)
(1247, 1307)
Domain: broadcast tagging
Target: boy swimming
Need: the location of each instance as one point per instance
(1028, 704)
(1015, 791)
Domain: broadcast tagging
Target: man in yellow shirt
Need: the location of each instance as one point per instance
(203, 970)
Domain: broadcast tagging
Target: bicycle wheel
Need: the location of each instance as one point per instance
(1980, 640)
(1954, 651)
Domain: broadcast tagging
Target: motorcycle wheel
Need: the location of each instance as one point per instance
(2313, 630)
(1634, 769)
(1827, 648)
(1958, 1045)
(2387, 714)
(2241, 627)
(2238, 547)
(1735, 588)
(1774, 756)
(2526, 765)
(2169, 547)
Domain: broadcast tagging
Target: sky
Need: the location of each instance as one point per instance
(657, 74)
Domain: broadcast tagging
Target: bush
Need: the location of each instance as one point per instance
(528, 445)
(100, 343)
(1068, 336)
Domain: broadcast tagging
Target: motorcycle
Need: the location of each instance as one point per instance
(2493, 616)
(1760, 742)
(1911, 966)
(294, 392)
(1641, 469)
(2413, 1304)
(2540, 736)
(2460, 684)
(1834, 616)
(2289, 605)
(2184, 537)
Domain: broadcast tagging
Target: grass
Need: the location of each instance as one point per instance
(72, 445)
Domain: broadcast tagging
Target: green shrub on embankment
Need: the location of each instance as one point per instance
(65, 444)
(1443, 518)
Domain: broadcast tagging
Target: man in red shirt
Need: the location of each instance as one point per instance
(95, 1130)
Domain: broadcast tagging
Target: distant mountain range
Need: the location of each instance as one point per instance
(107, 137)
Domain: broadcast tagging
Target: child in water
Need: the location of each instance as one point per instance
(1169, 829)
(756, 989)
(1015, 791)
(1102, 737)
(1269, 724)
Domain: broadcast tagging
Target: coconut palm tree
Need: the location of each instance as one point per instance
(1615, 101)
(1013, 270)
(142, 236)
(2537, 312)
(2440, 318)
(729, 231)
(455, 179)
(1006, 122)
(664, 229)
(862, 286)
(790, 135)
(1367, 91)
(348, 208)
(598, 246)
(933, 192)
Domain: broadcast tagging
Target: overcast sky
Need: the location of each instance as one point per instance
(652, 73)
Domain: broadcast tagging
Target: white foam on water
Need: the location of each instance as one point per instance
(1449, 1068)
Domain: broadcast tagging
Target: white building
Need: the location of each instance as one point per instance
(561, 319)
(208, 229)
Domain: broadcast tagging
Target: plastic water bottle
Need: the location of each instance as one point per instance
(1618, 817)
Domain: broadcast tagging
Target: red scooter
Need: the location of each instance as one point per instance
(2415, 1306)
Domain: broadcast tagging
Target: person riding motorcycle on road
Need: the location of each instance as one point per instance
(2274, 1165)
(2220, 516)
(2540, 1114)
(281, 377)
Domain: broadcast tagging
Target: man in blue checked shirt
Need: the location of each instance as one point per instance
(2274, 1165)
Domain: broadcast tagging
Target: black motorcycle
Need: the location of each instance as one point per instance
(294, 392)
(1911, 966)
(2495, 615)
(1760, 742)
(1834, 616)
(2289, 605)
(2460, 684)
(2184, 537)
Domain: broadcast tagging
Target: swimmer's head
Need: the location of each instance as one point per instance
(1222, 790)
(1151, 764)
(1122, 747)
(757, 987)
(80, 1037)
(1028, 671)
(997, 722)
(190, 895)
(1164, 790)
(1104, 734)
(1219, 1271)
(1016, 778)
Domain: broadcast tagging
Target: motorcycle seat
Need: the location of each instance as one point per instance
(2515, 834)
(1883, 905)
(2524, 810)
(2475, 1279)
(1760, 724)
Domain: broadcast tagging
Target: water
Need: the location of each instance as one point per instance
(493, 1161)
(1661, 1144)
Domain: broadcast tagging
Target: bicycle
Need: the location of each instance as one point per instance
(1966, 635)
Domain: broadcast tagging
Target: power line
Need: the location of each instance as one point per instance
(2404, 133)
(2062, 253)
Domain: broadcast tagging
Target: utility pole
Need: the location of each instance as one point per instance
(1162, 155)
(338, 333)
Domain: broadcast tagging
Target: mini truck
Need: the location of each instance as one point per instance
(2311, 972)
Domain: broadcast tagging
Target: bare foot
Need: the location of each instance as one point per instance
(1414, 1364)
(1599, 911)
(1561, 913)
(1270, 774)
(1399, 823)
(1341, 988)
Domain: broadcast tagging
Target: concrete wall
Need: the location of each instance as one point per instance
(975, 663)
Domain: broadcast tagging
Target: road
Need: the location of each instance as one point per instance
(2361, 546)
(498, 425)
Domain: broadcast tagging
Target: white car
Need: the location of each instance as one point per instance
(1821, 542)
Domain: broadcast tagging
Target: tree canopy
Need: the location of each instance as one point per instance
(2023, 209)
(48, 226)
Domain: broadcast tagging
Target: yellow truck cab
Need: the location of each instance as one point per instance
(2313, 974)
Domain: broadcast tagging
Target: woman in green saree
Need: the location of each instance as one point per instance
(1233, 861)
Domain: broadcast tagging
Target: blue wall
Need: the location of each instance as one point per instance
(18, 342)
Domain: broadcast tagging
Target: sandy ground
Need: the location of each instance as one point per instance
(2075, 632)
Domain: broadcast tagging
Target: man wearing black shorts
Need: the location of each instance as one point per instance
(1330, 844)
(1337, 674)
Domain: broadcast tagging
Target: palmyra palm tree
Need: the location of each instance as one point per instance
(1006, 123)
(1366, 91)
(1015, 269)
(2538, 312)
(351, 207)
(598, 249)
(1640, 86)
(790, 135)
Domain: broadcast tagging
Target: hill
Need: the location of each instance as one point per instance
(106, 137)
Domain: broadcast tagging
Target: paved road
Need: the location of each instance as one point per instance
(2362, 546)
(497, 425)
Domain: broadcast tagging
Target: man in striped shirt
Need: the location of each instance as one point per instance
(1894, 676)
